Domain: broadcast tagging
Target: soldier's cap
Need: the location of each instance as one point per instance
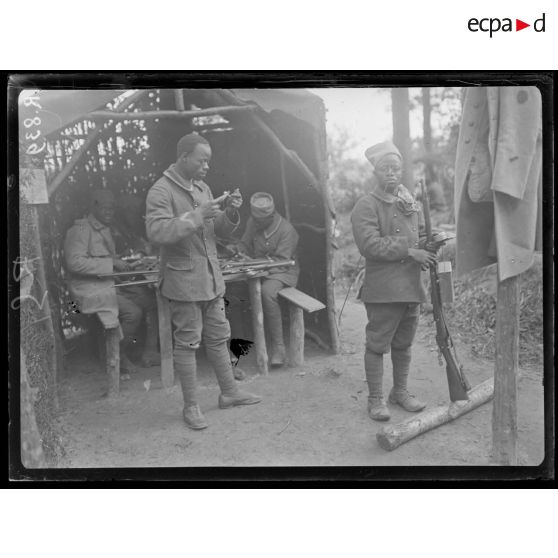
(187, 143)
(262, 205)
(378, 151)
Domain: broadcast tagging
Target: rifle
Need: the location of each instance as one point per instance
(457, 382)
(252, 267)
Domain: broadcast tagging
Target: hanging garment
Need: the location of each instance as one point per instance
(498, 179)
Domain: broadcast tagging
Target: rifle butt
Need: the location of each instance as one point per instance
(457, 385)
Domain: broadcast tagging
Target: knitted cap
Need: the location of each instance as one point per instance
(380, 150)
(262, 205)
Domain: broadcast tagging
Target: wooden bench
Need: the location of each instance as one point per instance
(298, 302)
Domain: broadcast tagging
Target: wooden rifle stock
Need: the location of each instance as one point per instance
(457, 382)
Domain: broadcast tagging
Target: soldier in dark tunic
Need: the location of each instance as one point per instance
(183, 219)
(389, 231)
(269, 235)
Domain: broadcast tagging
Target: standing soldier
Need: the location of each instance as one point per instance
(183, 218)
(389, 232)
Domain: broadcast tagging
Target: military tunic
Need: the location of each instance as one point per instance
(189, 266)
(279, 241)
(89, 251)
(190, 275)
(384, 234)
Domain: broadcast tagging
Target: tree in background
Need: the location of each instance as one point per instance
(349, 177)
(400, 107)
(435, 151)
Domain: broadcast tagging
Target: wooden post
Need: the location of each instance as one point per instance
(44, 297)
(32, 455)
(504, 412)
(392, 436)
(255, 292)
(329, 216)
(179, 99)
(112, 340)
(165, 340)
(284, 186)
(296, 338)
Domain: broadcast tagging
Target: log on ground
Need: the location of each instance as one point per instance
(394, 435)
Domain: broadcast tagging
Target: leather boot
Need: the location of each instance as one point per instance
(399, 395)
(193, 418)
(374, 367)
(377, 409)
(240, 398)
(230, 395)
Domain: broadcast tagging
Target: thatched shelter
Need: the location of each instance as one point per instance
(268, 139)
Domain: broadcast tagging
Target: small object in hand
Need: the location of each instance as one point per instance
(222, 198)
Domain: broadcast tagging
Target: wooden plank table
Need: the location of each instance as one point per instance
(165, 325)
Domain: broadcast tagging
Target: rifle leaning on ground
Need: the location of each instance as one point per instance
(457, 382)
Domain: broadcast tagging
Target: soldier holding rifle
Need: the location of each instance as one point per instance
(389, 231)
(184, 218)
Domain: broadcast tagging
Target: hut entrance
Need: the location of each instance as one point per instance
(262, 140)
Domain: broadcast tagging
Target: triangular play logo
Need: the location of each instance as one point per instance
(519, 25)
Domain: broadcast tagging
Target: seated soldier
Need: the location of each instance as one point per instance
(267, 234)
(89, 251)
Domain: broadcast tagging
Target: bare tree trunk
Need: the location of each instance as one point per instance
(401, 133)
(427, 134)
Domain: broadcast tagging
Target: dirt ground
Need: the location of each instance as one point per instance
(311, 416)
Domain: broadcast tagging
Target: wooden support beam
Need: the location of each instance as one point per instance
(255, 292)
(296, 336)
(165, 341)
(112, 340)
(393, 435)
(504, 412)
(65, 172)
(284, 186)
(153, 114)
(179, 99)
(329, 216)
(44, 296)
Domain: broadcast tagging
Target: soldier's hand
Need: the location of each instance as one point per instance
(209, 209)
(433, 247)
(234, 201)
(120, 265)
(423, 257)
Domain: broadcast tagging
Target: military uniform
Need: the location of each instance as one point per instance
(392, 283)
(89, 251)
(190, 276)
(277, 241)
